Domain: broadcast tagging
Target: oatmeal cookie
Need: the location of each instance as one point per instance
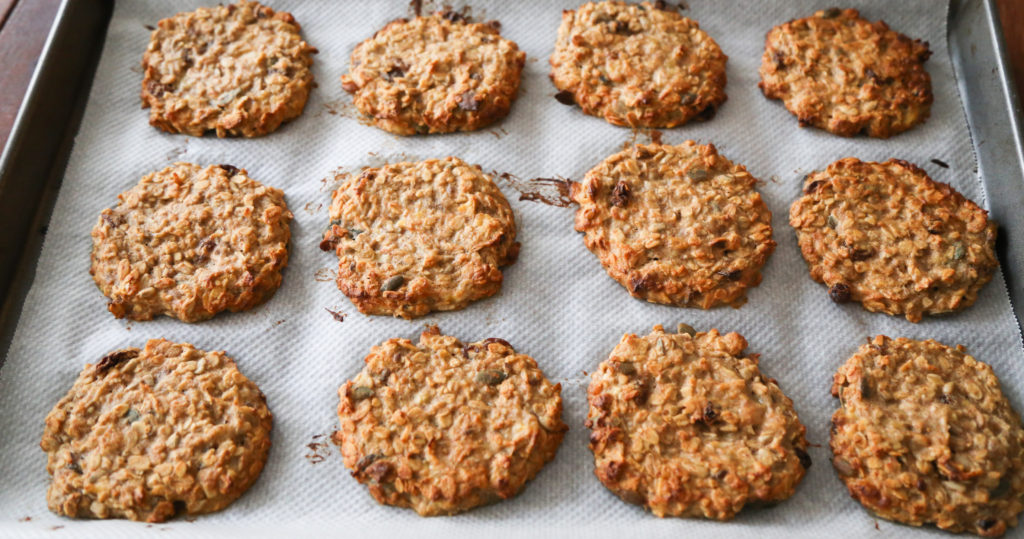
(240, 69)
(841, 73)
(637, 65)
(435, 74)
(887, 236)
(442, 426)
(679, 225)
(153, 433)
(190, 242)
(412, 238)
(924, 435)
(686, 426)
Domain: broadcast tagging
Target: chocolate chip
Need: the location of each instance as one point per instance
(454, 16)
(839, 293)
(831, 13)
(230, 169)
(115, 358)
(941, 163)
(732, 275)
(337, 315)
(565, 97)
(328, 243)
(813, 186)
(366, 461)
(394, 73)
(620, 195)
(986, 523)
(467, 101)
(805, 459)
(709, 414)
(707, 114)
(860, 254)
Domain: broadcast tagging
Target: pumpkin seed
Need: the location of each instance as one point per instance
(362, 392)
(831, 13)
(491, 377)
(626, 368)
(698, 174)
(832, 222)
(686, 328)
(353, 232)
(227, 97)
(959, 251)
(393, 283)
(131, 415)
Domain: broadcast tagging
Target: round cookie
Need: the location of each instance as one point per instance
(924, 435)
(841, 73)
(435, 74)
(412, 238)
(442, 427)
(687, 426)
(679, 225)
(190, 242)
(637, 65)
(240, 69)
(887, 236)
(153, 433)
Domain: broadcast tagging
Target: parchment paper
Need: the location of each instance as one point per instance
(557, 303)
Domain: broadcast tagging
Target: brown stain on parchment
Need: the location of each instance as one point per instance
(550, 191)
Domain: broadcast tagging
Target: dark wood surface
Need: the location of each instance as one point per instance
(25, 24)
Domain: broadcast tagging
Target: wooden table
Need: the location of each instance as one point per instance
(24, 25)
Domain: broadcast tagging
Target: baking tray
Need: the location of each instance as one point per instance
(33, 164)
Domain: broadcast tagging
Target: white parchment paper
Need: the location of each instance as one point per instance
(557, 303)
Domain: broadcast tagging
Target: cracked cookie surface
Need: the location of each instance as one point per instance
(153, 433)
(637, 65)
(412, 238)
(841, 73)
(924, 435)
(679, 225)
(889, 237)
(442, 427)
(239, 70)
(686, 425)
(190, 242)
(435, 74)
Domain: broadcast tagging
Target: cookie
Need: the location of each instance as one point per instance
(442, 427)
(679, 225)
(841, 73)
(637, 65)
(153, 433)
(924, 435)
(887, 236)
(412, 238)
(239, 70)
(190, 242)
(435, 74)
(686, 425)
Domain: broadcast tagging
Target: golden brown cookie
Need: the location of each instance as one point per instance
(153, 433)
(686, 425)
(887, 236)
(841, 73)
(412, 238)
(190, 242)
(924, 435)
(240, 69)
(679, 225)
(435, 74)
(442, 427)
(637, 65)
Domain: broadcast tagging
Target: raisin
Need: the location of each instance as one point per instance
(839, 293)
